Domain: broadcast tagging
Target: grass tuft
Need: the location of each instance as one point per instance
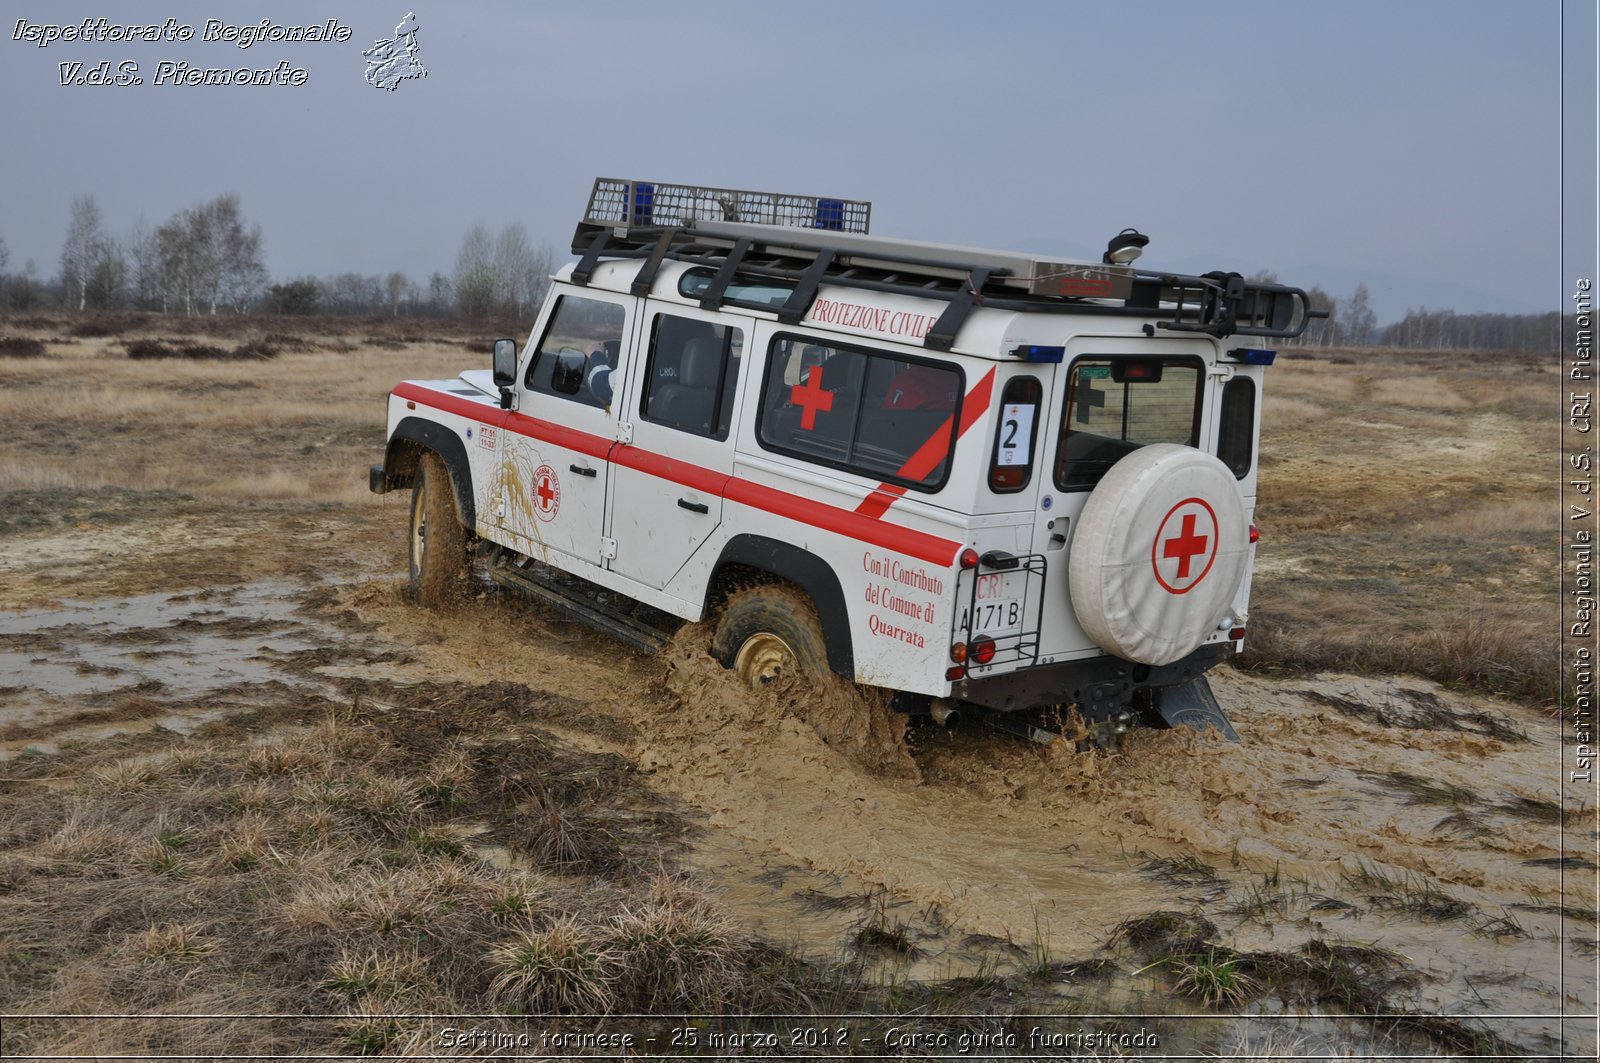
(561, 967)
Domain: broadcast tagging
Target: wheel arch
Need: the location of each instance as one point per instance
(748, 559)
(414, 435)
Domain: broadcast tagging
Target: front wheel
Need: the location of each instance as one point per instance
(438, 555)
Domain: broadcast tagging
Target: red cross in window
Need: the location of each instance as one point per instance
(811, 398)
(545, 495)
(1185, 545)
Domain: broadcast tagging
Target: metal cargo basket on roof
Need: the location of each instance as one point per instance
(630, 204)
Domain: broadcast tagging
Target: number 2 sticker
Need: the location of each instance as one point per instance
(1016, 433)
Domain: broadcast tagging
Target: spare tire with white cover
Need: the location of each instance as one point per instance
(1160, 551)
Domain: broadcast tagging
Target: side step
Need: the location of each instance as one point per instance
(638, 625)
(1192, 704)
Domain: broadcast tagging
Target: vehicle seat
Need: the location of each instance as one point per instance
(688, 403)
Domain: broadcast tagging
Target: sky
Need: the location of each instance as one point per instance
(1414, 145)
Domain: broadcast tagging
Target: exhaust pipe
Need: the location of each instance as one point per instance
(944, 712)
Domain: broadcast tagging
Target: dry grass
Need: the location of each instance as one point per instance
(226, 425)
(331, 869)
(1409, 521)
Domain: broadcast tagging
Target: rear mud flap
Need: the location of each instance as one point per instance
(1192, 704)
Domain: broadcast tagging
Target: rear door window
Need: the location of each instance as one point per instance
(1117, 405)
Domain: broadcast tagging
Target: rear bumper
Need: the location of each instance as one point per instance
(1097, 685)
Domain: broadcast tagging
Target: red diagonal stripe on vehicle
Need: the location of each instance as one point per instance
(854, 525)
(933, 451)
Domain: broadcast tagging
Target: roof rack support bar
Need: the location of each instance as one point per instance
(805, 290)
(645, 279)
(717, 290)
(943, 334)
(591, 257)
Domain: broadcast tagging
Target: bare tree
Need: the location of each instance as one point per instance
(107, 282)
(208, 256)
(1358, 323)
(477, 281)
(81, 253)
(396, 287)
(441, 294)
(5, 257)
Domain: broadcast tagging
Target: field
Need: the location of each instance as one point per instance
(242, 776)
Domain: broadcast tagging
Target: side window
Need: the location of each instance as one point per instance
(1237, 429)
(1011, 467)
(691, 376)
(579, 352)
(1117, 405)
(866, 412)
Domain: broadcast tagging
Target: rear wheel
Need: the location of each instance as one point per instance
(768, 632)
(770, 636)
(438, 555)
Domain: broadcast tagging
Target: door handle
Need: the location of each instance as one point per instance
(581, 470)
(693, 507)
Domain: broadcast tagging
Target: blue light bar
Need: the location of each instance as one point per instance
(1253, 355)
(1034, 352)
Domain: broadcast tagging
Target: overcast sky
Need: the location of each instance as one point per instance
(1415, 144)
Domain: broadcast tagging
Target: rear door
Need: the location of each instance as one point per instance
(1115, 395)
(667, 484)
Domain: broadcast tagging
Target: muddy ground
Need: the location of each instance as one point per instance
(153, 599)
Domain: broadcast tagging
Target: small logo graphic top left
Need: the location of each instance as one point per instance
(392, 61)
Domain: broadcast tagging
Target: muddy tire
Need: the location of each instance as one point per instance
(438, 554)
(768, 632)
(771, 638)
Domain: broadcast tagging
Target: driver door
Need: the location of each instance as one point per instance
(555, 459)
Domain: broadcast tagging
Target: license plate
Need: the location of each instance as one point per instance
(997, 610)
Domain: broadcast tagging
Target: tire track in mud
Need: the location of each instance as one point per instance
(1358, 795)
(995, 831)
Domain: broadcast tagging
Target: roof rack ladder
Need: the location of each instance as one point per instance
(645, 279)
(943, 334)
(718, 288)
(805, 290)
(591, 258)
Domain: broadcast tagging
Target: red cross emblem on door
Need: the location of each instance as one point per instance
(809, 396)
(1185, 546)
(546, 493)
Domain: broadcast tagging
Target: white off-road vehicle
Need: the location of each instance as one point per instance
(986, 481)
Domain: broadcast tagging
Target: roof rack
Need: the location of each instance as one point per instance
(628, 204)
(694, 225)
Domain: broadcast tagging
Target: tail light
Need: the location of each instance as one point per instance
(956, 672)
(1255, 534)
(958, 653)
(1236, 633)
(983, 649)
(969, 558)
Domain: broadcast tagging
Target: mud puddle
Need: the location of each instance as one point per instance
(88, 670)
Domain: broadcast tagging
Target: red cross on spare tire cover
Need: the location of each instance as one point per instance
(1159, 553)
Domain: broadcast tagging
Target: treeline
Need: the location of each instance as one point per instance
(208, 259)
(1351, 323)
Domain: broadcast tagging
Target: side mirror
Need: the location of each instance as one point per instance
(505, 369)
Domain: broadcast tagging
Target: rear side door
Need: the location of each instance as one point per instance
(555, 449)
(667, 482)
